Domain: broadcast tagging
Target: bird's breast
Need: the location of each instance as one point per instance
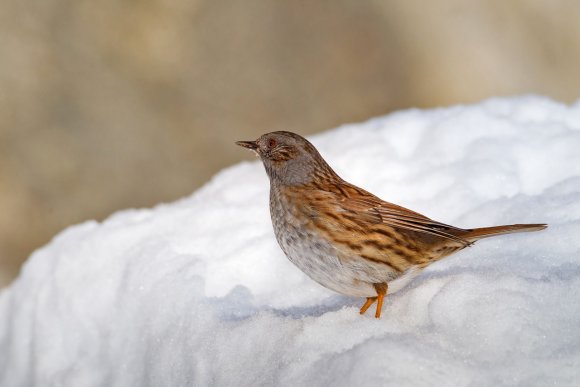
(319, 257)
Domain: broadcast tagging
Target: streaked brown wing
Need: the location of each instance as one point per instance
(370, 206)
(408, 220)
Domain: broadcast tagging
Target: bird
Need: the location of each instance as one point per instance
(345, 238)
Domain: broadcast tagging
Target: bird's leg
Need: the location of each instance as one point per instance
(381, 293)
(368, 303)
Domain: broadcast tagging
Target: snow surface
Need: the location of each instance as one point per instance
(197, 292)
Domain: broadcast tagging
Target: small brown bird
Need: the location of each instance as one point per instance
(345, 238)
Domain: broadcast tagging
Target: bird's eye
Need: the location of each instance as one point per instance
(271, 143)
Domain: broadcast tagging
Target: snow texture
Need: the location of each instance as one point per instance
(197, 292)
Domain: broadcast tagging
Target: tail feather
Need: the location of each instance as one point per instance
(484, 232)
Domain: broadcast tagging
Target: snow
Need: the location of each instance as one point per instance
(197, 292)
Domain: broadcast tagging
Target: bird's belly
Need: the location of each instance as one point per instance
(330, 267)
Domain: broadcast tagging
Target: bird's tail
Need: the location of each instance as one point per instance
(484, 232)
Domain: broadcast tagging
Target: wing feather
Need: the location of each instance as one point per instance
(400, 217)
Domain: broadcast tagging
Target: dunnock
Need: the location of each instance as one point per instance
(344, 237)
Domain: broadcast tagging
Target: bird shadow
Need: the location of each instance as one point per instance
(240, 304)
(330, 304)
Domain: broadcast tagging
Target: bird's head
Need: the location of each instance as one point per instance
(288, 158)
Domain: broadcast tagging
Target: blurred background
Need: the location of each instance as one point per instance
(112, 104)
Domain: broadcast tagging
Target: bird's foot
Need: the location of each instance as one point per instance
(368, 303)
(381, 293)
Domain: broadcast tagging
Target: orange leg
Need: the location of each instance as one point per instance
(381, 293)
(370, 301)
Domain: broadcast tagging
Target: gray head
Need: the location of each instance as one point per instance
(289, 158)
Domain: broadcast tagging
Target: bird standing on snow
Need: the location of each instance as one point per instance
(345, 238)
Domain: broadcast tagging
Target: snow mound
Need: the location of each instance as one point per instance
(197, 292)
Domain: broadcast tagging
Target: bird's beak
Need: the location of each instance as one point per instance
(252, 145)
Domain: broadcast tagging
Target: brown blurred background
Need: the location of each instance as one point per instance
(112, 104)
